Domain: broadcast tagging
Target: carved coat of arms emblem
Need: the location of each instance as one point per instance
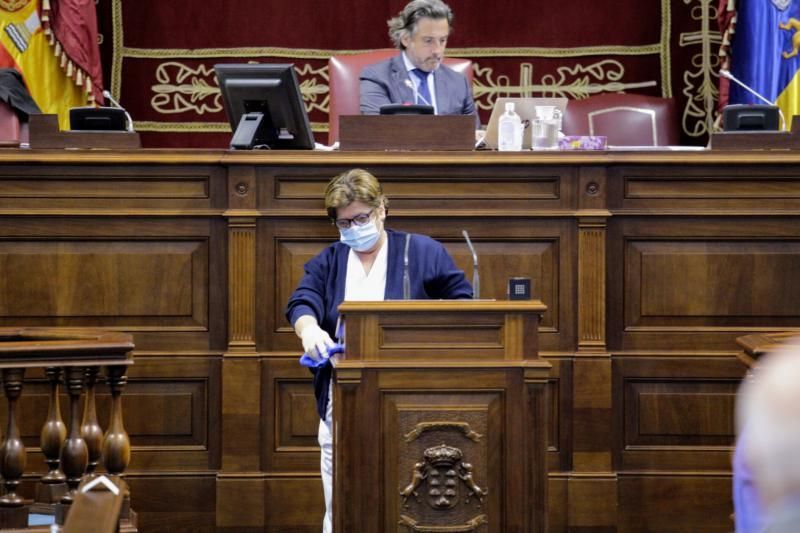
(442, 472)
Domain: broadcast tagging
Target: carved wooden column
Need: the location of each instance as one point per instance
(12, 455)
(91, 431)
(74, 452)
(116, 443)
(52, 486)
(116, 449)
(592, 285)
(241, 259)
(242, 284)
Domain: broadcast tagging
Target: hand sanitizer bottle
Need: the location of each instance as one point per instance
(509, 130)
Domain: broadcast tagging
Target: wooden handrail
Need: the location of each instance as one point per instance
(78, 355)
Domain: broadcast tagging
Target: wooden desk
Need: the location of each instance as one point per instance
(650, 265)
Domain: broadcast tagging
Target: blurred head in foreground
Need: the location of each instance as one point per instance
(768, 410)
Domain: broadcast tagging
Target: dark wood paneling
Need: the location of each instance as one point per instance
(696, 284)
(294, 505)
(290, 439)
(699, 249)
(558, 400)
(675, 414)
(433, 188)
(158, 279)
(688, 187)
(174, 504)
(113, 187)
(675, 503)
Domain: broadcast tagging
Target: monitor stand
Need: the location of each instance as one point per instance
(244, 138)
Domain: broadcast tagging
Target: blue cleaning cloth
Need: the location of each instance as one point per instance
(307, 360)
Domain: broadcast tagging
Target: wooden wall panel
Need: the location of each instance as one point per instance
(672, 503)
(459, 188)
(294, 505)
(709, 186)
(675, 414)
(558, 400)
(168, 503)
(709, 274)
(290, 440)
(158, 279)
(111, 188)
(694, 284)
(116, 282)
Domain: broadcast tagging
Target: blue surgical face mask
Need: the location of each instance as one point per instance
(360, 238)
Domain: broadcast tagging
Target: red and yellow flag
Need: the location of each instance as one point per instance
(60, 73)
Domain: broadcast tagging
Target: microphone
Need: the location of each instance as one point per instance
(406, 278)
(476, 282)
(417, 96)
(107, 96)
(727, 74)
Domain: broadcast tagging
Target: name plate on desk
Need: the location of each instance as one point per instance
(44, 133)
(755, 140)
(406, 132)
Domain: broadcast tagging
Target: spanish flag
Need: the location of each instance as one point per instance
(765, 53)
(53, 44)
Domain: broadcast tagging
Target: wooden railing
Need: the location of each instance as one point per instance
(76, 358)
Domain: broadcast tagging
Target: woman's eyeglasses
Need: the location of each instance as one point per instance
(358, 220)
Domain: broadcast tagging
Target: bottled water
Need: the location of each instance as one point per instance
(509, 130)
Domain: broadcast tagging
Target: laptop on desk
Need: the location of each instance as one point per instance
(526, 109)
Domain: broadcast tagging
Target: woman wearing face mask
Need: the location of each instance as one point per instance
(367, 264)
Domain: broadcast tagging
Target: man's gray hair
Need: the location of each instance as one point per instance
(768, 417)
(405, 23)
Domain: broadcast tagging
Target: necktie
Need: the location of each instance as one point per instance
(423, 94)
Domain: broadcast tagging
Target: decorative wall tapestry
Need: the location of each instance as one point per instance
(159, 56)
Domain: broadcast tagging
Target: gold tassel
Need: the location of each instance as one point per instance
(70, 69)
(79, 77)
(45, 5)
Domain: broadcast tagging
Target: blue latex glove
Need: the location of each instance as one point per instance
(310, 362)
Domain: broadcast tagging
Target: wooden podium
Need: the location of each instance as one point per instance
(440, 418)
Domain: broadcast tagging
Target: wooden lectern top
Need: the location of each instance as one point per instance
(441, 332)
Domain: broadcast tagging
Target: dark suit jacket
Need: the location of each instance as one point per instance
(385, 83)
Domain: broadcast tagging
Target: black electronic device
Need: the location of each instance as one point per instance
(750, 117)
(97, 119)
(519, 289)
(406, 109)
(264, 106)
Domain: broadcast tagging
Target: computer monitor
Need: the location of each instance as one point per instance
(264, 106)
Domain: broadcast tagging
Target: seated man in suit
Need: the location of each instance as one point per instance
(416, 75)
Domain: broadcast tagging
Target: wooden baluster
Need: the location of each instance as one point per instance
(91, 431)
(116, 444)
(52, 484)
(74, 452)
(12, 452)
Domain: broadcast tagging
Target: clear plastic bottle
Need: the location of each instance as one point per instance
(509, 130)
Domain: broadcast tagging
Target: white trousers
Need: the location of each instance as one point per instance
(325, 439)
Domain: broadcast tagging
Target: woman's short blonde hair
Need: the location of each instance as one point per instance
(354, 185)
